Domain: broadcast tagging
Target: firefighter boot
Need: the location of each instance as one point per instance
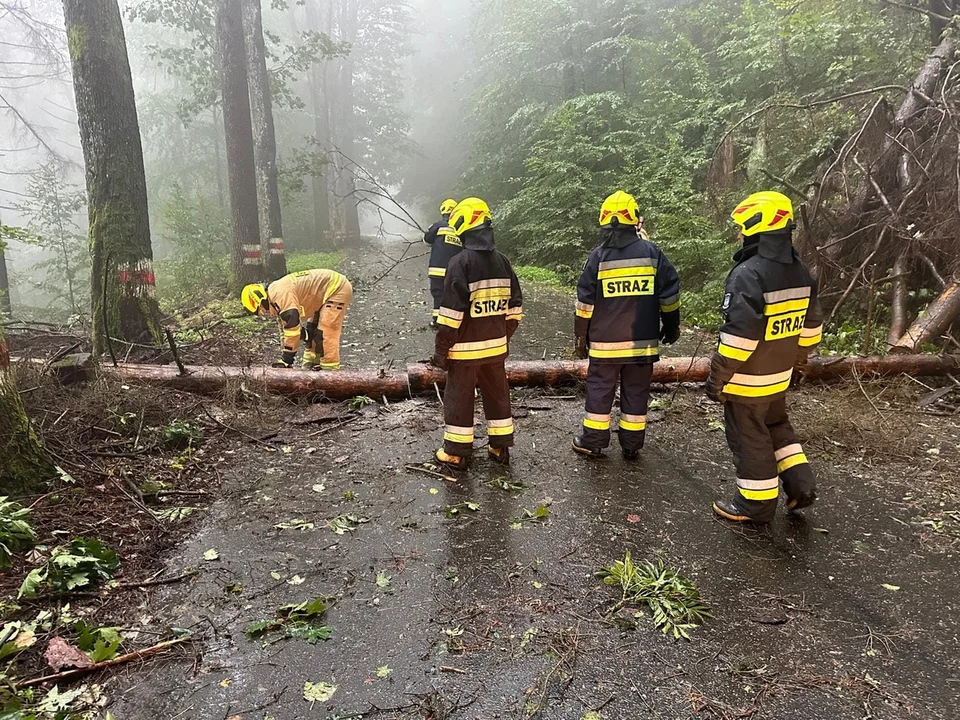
(802, 501)
(579, 446)
(500, 455)
(456, 462)
(631, 455)
(728, 510)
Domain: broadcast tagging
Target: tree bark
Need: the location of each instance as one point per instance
(25, 467)
(320, 103)
(898, 304)
(933, 322)
(5, 309)
(419, 379)
(264, 141)
(247, 255)
(122, 279)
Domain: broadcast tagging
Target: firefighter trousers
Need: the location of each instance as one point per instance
(331, 328)
(436, 292)
(602, 380)
(766, 453)
(458, 397)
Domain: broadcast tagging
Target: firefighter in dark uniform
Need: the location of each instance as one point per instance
(628, 300)
(444, 245)
(482, 306)
(771, 323)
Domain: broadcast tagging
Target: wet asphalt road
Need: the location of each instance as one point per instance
(476, 619)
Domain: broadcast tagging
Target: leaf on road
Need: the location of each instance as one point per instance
(888, 586)
(384, 671)
(633, 518)
(318, 692)
(211, 555)
(61, 654)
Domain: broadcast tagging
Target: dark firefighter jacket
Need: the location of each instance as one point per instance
(627, 288)
(444, 244)
(771, 321)
(482, 303)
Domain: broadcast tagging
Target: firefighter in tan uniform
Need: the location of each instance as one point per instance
(772, 321)
(480, 309)
(311, 306)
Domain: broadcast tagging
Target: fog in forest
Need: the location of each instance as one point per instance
(380, 110)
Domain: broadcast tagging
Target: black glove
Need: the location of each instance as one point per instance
(580, 347)
(668, 336)
(713, 392)
(439, 361)
(309, 332)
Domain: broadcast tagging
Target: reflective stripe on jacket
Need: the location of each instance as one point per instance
(771, 321)
(627, 289)
(444, 246)
(299, 297)
(482, 303)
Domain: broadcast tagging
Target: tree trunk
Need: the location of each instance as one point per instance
(419, 379)
(898, 305)
(933, 322)
(25, 466)
(122, 281)
(247, 256)
(265, 141)
(5, 309)
(320, 103)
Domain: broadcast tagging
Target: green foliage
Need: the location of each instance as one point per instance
(673, 601)
(81, 563)
(297, 262)
(296, 621)
(573, 102)
(16, 533)
(543, 276)
(197, 269)
(182, 433)
(99, 643)
(54, 212)
(359, 402)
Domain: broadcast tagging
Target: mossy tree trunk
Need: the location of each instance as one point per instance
(264, 141)
(247, 255)
(122, 284)
(25, 467)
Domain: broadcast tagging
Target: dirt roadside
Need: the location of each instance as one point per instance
(463, 616)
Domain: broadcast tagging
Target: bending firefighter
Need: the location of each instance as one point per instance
(444, 246)
(311, 306)
(771, 322)
(480, 310)
(628, 300)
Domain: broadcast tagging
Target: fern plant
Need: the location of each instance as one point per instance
(16, 532)
(674, 601)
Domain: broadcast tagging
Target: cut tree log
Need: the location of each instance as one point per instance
(420, 379)
(898, 304)
(934, 321)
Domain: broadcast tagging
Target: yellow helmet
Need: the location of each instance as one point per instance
(763, 212)
(469, 214)
(447, 206)
(622, 207)
(253, 296)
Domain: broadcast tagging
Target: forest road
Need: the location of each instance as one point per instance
(447, 602)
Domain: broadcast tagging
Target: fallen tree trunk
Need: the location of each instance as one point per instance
(420, 379)
(933, 322)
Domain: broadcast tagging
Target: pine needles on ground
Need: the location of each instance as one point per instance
(673, 600)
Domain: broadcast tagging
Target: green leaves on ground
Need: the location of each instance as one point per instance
(296, 621)
(342, 524)
(318, 692)
(99, 643)
(453, 510)
(359, 402)
(16, 533)
(674, 601)
(506, 484)
(295, 524)
(541, 513)
(82, 563)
